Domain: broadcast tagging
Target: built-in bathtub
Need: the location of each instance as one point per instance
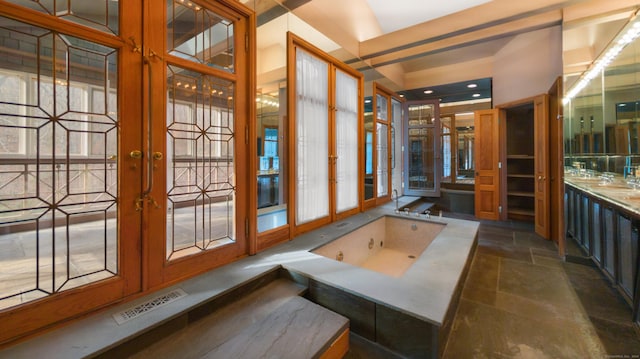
(388, 245)
(408, 312)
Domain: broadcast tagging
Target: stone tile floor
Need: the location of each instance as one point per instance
(520, 300)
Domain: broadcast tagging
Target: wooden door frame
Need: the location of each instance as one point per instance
(389, 95)
(158, 272)
(556, 164)
(55, 309)
(552, 170)
(293, 42)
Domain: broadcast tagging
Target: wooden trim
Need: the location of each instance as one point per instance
(339, 348)
(160, 272)
(61, 25)
(293, 42)
(32, 317)
(272, 237)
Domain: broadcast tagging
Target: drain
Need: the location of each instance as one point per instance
(412, 256)
(149, 305)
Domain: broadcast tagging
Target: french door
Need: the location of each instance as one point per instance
(120, 168)
(70, 102)
(326, 112)
(197, 60)
(422, 152)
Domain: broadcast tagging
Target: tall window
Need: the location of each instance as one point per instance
(326, 127)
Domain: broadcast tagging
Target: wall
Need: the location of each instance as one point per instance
(528, 65)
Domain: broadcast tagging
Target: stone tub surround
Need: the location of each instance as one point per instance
(424, 292)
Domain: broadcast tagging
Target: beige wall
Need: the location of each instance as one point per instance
(527, 65)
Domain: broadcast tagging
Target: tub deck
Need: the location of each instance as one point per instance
(423, 299)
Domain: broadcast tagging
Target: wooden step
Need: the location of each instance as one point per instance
(296, 329)
(200, 337)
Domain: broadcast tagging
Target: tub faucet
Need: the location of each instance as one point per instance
(396, 193)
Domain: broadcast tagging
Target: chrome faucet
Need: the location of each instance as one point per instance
(396, 192)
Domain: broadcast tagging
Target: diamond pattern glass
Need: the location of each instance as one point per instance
(58, 174)
(200, 162)
(97, 14)
(199, 35)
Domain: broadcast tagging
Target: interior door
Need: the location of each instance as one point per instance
(422, 152)
(487, 168)
(541, 170)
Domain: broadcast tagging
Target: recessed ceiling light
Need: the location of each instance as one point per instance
(622, 104)
(476, 95)
(367, 101)
(428, 92)
(472, 86)
(401, 95)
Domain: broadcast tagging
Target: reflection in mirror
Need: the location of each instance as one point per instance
(602, 133)
(446, 147)
(368, 149)
(272, 207)
(466, 158)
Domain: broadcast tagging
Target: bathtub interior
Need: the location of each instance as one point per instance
(389, 245)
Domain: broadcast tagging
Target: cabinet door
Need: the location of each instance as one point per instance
(542, 188)
(487, 204)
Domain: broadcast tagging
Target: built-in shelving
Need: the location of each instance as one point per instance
(520, 164)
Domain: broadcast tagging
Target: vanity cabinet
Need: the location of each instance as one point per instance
(607, 233)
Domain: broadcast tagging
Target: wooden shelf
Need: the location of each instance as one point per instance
(520, 157)
(521, 212)
(521, 194)
(518, 175)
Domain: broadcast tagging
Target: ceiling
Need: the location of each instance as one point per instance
(409, 47)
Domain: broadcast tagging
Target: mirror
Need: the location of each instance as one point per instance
(368, 149)
(466, 160)
(601, 129)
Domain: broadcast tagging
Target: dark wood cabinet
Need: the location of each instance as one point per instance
(608, 235)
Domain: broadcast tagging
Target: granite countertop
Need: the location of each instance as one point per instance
(616, 192)
(424, 291)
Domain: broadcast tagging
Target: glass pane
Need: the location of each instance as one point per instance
(368, 151)
(396, 145)
(421, 147)
(446, 155)
(97, 14)
(312, 138)
(346, 142)
(382, 171)
(382, 108)
(200, 156)
(199, 35)
(58, 174)
(272, 208)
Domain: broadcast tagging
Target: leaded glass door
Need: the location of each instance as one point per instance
(68, 119)
(422, 150)
(198, 162)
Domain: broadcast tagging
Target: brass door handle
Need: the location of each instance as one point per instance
(135, 154)
(158, 156)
